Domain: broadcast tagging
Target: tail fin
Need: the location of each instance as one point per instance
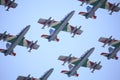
(48, 36)
(85, 14)
(106, 55)
(110, 49)
(67, 72)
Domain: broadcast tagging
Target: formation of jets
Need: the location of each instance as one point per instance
(74, 63)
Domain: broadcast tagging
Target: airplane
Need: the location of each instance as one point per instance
(106, 40)
(9, 4)
(44, 77)
(91, 11)
(79, 62)
(61, 25)
(88, 63)
(112, 51)
(100, 4)
(17, 40)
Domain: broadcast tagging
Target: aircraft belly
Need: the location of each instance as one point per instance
(14, 39)
(66, 28)
(85, 63)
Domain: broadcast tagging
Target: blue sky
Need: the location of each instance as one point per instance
(38, 61)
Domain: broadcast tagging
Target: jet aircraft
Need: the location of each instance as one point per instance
(89, 64)
(17, 40)
(112, 51)
(99, 4)
(80, 62)
(8, 3)
(44, 77)
(60, 25)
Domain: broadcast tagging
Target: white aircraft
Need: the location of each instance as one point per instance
(62, 25)
(17, 40)
(80, 62)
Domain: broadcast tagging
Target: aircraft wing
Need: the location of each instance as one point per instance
(62, 58)
(23, 42)
(49, 22)
(112, 43)
(103, 39)
(90, 64)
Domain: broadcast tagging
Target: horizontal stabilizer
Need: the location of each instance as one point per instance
(85, 14)
(45, 36)
(64, 71)
(3, 51)
(67, 72)
(48, 36)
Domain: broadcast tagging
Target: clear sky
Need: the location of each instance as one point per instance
(39, 61)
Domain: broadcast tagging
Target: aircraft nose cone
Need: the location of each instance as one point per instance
(51, 69)
(92, 48)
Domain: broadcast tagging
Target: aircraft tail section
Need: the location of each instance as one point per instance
(107, 55)
(48, 36)
(85, 14)
(3, 51)
(67, 72)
